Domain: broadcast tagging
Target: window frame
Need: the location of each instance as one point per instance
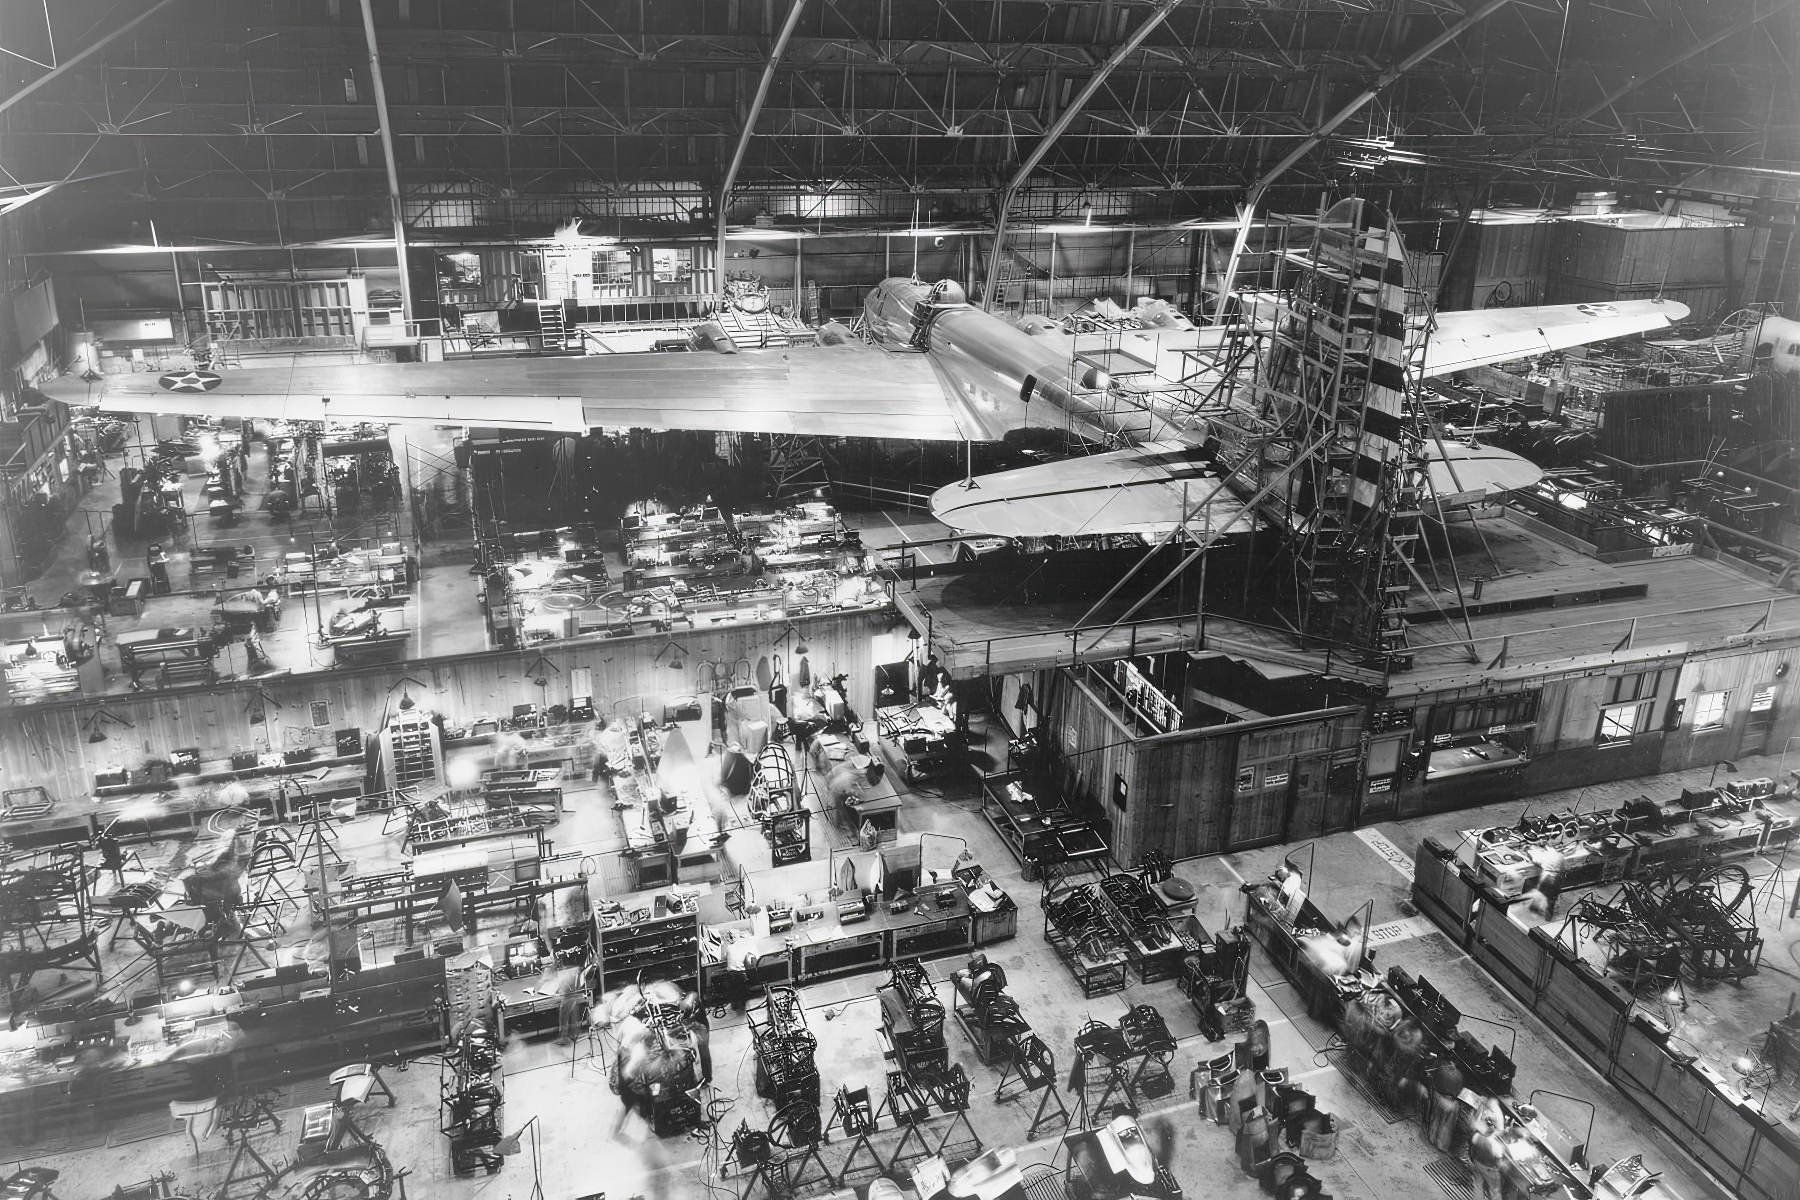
(1639, 723)
(1616, 686)
(1718, 721)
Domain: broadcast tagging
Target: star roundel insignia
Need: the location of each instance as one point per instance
(190, 381)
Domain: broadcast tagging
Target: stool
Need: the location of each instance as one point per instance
(200, 1116)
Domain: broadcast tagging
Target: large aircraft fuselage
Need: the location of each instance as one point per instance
(1005, 374)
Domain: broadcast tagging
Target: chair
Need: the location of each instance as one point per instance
(200, 1116)
(357, 1082)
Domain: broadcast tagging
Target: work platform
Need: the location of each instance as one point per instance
(1527, 599)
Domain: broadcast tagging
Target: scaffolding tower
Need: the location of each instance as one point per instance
(1332, 419)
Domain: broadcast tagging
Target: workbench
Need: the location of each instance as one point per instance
(1036, 824)
(181, 655)
(878, 807)
(826, 946)
(530, 1000)
(380, 638)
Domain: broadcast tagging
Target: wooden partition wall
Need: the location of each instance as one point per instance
(1211, 790)
(48, 744)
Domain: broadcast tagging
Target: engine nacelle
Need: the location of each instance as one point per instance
(1776, 345)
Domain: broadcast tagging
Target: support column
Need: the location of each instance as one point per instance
(387, 153)
(743, 142)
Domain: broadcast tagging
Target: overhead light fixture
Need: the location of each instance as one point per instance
(96, 724)
(675, 650)
(406, 700)
(800, 647)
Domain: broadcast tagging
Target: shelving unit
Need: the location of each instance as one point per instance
(665, 946)
(412, 751)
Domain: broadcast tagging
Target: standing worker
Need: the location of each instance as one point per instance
(112, 855)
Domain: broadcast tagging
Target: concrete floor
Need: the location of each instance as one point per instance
(589, 1145)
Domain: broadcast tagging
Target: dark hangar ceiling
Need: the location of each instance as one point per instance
(254, 120)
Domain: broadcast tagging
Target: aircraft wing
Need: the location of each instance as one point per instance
(1139, 491)
(1476, 337)
(830, 391)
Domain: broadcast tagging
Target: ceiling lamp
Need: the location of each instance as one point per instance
(675, 650)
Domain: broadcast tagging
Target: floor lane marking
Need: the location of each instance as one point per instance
(1395, 857)
(1399, 931)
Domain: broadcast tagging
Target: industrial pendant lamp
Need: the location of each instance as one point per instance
(96, 724)
(800, 646)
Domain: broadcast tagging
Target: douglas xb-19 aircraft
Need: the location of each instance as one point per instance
(931, 367)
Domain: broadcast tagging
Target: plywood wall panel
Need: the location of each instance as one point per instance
(47, 744)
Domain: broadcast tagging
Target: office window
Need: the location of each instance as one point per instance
(1464, 717)
(1645, 685)
(1709, 710)
(1622, 722)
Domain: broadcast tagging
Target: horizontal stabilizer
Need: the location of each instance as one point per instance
(1139, 491)
(1465, 474)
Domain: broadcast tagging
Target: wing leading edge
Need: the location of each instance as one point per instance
(836, 391)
